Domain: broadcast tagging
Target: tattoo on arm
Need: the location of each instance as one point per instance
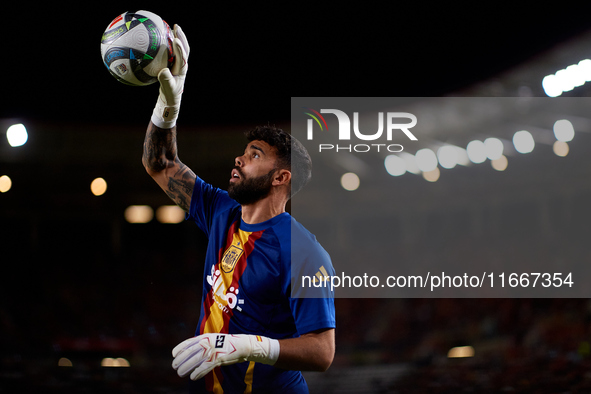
(160, 154)
(159, 148)
(180, 186)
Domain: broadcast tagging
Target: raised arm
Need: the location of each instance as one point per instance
(160, 156)
(161, 161)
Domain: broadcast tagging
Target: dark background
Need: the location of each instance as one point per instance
(245, 57)
(79, 282)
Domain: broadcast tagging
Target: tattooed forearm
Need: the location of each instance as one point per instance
(180, 186)
(159, 148)
(161, 161)
(184, 178)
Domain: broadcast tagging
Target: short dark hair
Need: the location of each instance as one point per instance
(291, 154)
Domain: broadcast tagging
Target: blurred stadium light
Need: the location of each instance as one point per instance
(433, 175)
(139, 214)
(98, 186)
(350, 181)
(560, 148)
(17, 135)
(5, 183)
(449, 156)
(170, 214)
(64, 362)
(411, 163)
(395, 165)
(426, 160)
(114, 362)
(500, 164)
(563, 130)
(476, 151)
(460, 352)
(567, 79)
(523, 141)
(493, 147)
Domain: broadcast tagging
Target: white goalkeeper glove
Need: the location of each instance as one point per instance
(172, 83)
(199, 355)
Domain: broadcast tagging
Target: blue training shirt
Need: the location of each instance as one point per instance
(247, 287)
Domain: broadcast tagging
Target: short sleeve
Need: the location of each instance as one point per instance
(311, 299)
(206, 202)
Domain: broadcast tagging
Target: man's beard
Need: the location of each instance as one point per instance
(250, 190)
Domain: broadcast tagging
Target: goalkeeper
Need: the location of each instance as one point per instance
(252, 336)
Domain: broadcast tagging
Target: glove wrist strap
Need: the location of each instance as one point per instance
(264, 350)
(165, 116)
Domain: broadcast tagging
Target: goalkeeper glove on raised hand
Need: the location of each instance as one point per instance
(172, 83)
(199, 355)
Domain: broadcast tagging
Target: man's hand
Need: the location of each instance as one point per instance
(172, 83)
(199, 355)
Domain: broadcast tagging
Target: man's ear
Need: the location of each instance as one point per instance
(282, 177)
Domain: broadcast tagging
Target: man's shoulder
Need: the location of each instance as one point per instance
(292, 237)
(299, 233)
(293, 230)
(301, 242)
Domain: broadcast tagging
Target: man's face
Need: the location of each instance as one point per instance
(252, 176)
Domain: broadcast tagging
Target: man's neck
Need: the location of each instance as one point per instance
(262, 210)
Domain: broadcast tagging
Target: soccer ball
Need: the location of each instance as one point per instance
(136, 46)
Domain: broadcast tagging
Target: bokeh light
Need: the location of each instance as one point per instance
(564, 130)
(395, 165)
(114, 362)
(170, 214)
(98, 186)
(17, 135)
(523, 141)
(493, 148)
(560, 148)
(500, 164)
(432, 176)
(5, 183)
(426, 160)
(350, 181)
(476, 152)
(139, 214)
(460, 352)
(64, 362)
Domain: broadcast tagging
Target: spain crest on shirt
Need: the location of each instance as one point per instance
(231, 257)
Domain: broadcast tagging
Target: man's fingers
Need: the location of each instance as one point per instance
(180, 57)
(165, 76)
(180, 47)
(202, 370)
(188, 360)
(180, 34)
(183, 345)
